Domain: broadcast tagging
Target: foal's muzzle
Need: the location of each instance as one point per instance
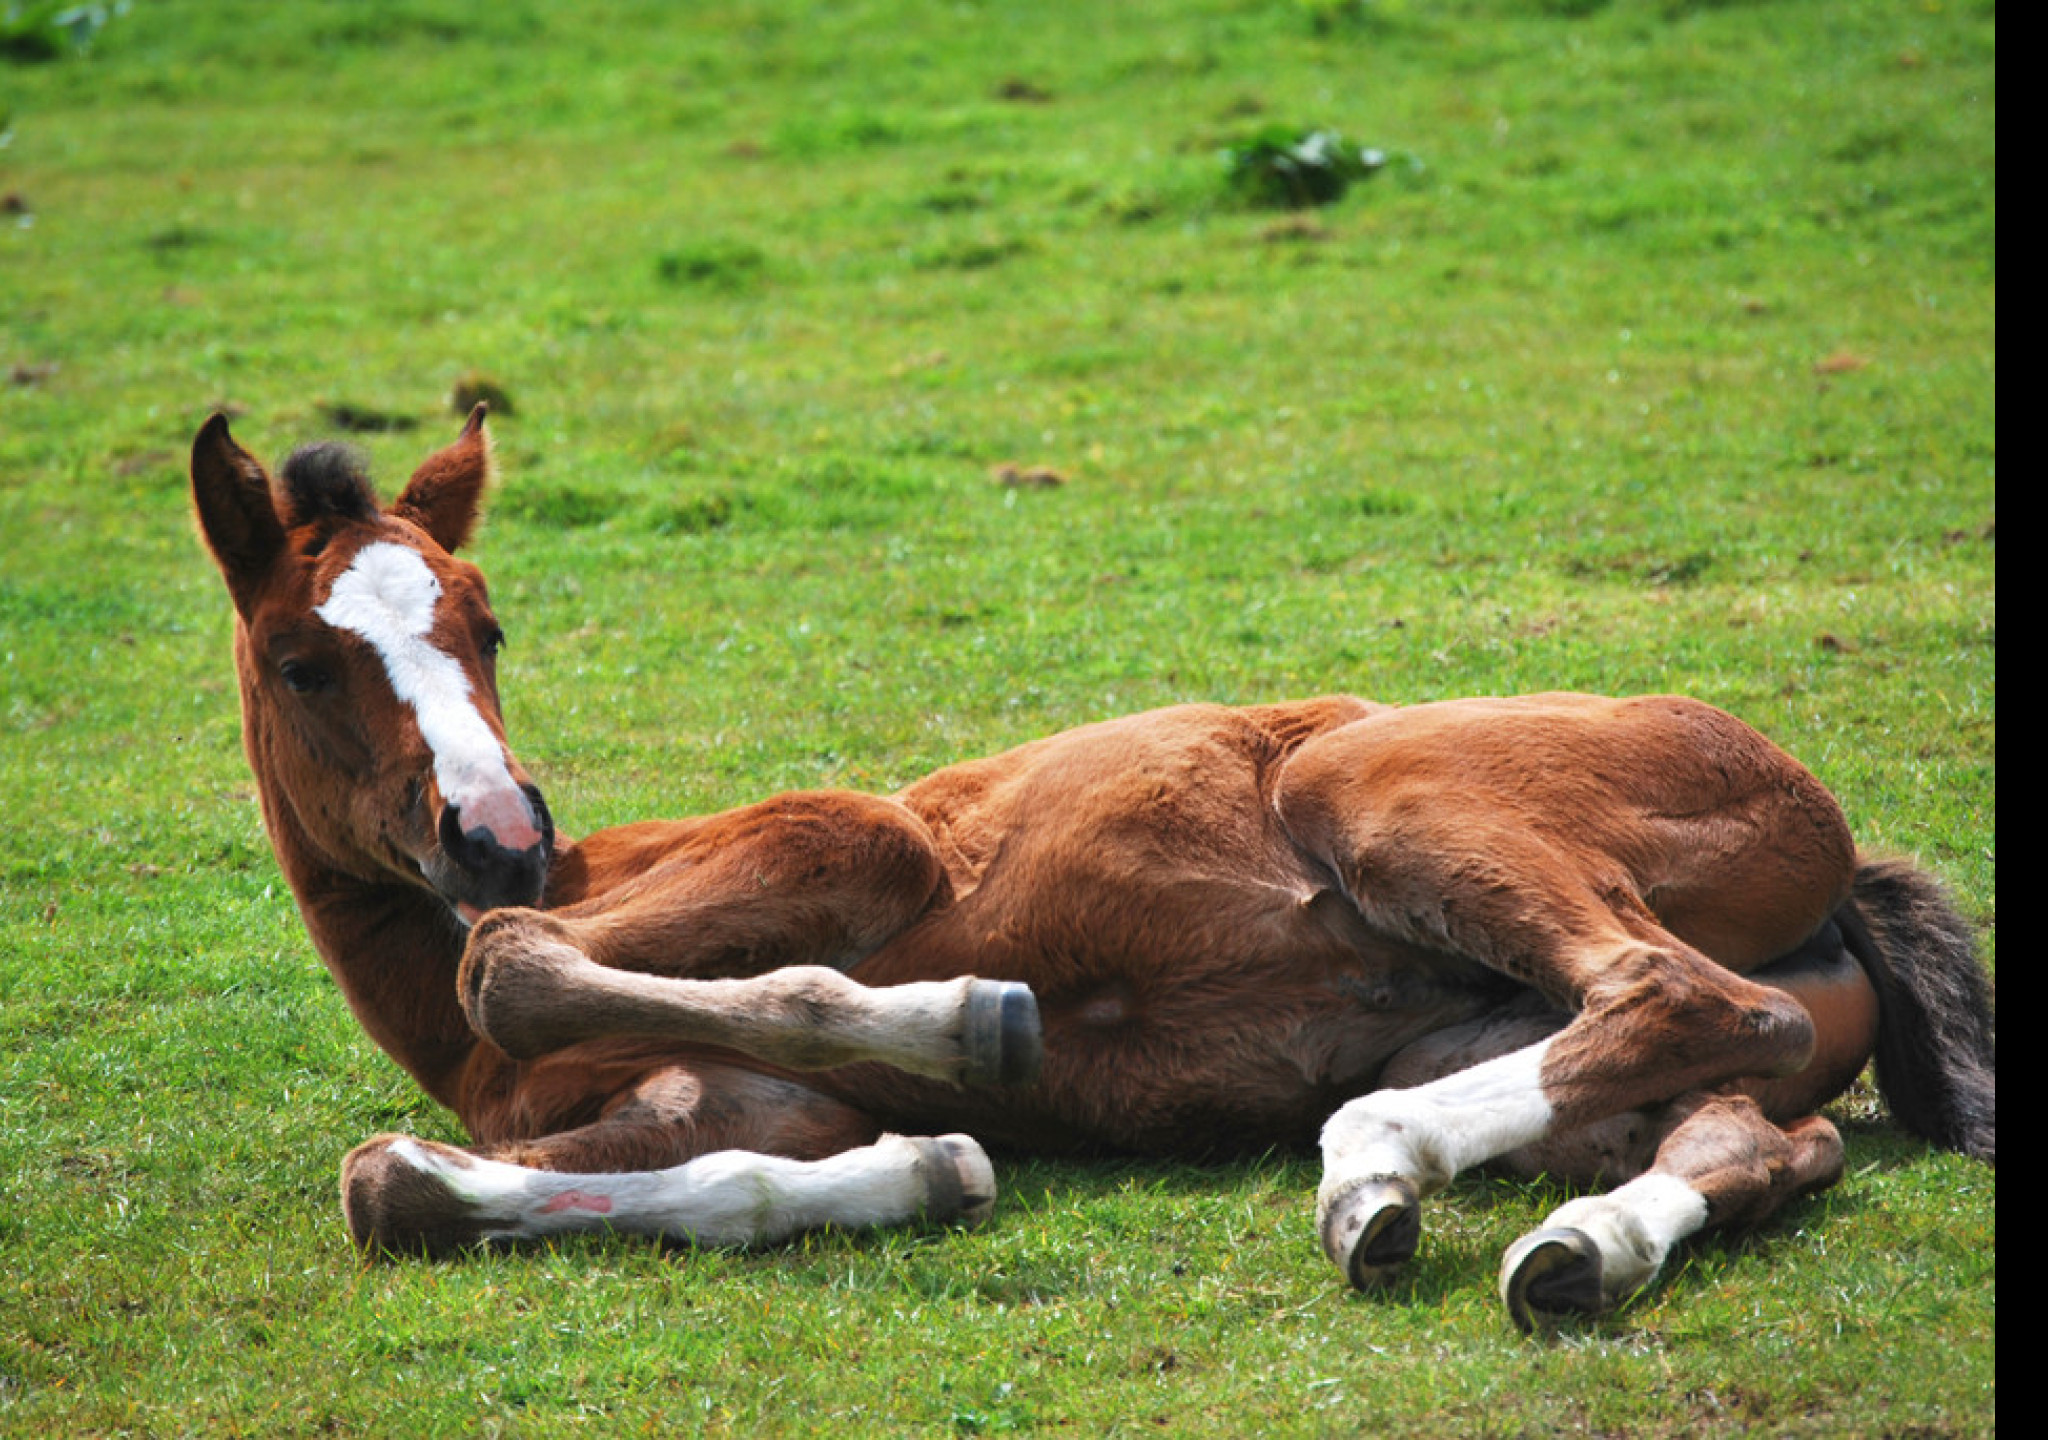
(500, 858)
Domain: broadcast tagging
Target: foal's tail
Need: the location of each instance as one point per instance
(1937, 1039)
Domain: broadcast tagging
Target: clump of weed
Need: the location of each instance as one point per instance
(972, 253)
(1020, 91)
(812, 135)
(1013, 476)
(713, 265)
(1281, 167)
(354, 419)
(1374, 503)
(692, 515)
(46, 29)
(842, 491)
(560, 506)
(1660, 571)
(1325, 17)
(177, 237)
(475, 388)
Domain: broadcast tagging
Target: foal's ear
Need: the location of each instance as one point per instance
(446, 492)
(236, 514)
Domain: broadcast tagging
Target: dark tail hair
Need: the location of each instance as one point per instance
(1937, 1038)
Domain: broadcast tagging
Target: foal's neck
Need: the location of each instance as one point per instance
(393, 948)
(395, 952)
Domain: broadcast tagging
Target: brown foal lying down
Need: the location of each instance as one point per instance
(1625, 942)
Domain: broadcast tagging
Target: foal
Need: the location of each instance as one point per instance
(1625, 942)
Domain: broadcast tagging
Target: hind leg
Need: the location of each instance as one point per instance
(1656, 1022)
(1697, 1161)
(709, 1154)
(1720, 1162)
(1533, 837)
(1731, 1157)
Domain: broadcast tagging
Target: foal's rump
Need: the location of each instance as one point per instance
(1546, 835)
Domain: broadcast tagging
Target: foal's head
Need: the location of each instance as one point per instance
(368, 660)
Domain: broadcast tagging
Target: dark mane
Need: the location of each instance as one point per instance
(327, 479)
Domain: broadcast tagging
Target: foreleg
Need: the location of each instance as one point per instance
(706, 1151)
(401, 1193)
(816, 877)
(528, 986)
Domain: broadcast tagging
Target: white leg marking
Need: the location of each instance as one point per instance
(1428, 1134)
(387, 597)
(733, 1197)
(1634, 1225)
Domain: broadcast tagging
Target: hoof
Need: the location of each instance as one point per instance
(962, 1183)
(1550, 1276)
(1002, 1039)
(1371, 1230)
(396, 1204)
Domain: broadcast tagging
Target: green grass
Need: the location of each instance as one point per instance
(1671, 367)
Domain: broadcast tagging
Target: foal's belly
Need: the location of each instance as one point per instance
(1202, 983)
(1225, 1008)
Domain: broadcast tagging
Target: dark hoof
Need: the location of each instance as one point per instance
(1550, 1276)
(1003, 1041)
(1371, 1230)
(962, 1182)
(396, 1206)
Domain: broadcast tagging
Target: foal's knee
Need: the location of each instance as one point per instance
(510, 974)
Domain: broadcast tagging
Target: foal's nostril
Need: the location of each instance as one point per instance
(455, 843)
(543, 821)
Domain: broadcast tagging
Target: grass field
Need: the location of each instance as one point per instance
(1660, 355)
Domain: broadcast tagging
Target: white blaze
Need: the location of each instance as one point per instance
(387, 597)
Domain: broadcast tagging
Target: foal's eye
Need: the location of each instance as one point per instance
(493, 643)
(301, 678)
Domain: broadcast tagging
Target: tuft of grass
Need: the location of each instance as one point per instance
(33, 31)
(714, 264)
(1294, 169)
(476, 388)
